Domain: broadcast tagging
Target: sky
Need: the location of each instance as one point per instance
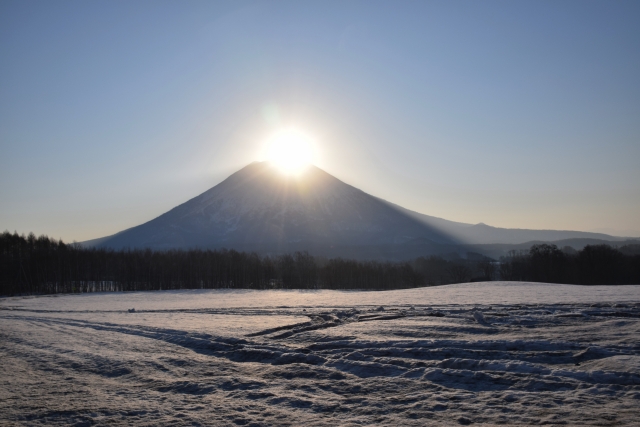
(515, 114)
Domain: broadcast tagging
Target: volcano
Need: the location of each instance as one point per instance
(261, 209)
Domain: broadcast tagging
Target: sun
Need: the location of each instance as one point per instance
(290, 150)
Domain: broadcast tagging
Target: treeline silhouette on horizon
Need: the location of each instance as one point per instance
(593, 265)
(40, 265)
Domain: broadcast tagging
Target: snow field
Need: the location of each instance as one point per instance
(484, 354)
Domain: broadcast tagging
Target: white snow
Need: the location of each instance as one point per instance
(483, 353)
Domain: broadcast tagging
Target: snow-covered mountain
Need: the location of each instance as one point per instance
(260, 209)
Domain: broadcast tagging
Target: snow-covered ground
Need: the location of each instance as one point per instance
(483, 353)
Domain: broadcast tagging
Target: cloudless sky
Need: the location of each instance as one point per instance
(517, 114)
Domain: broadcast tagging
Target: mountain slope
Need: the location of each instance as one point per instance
(260, 209)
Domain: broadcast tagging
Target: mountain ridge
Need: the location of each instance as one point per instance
(260, 209)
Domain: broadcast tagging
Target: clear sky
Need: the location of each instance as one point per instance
(513, 113)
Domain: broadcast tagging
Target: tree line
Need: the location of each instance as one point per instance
(593, 265)
(40, 265)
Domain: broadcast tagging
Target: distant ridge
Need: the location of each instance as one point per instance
(260, 209)
(496, 250)
(485, 234)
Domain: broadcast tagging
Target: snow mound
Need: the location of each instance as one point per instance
(622, 363)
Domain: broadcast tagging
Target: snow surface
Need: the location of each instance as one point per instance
(482, 353)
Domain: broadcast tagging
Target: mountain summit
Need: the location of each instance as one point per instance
(260, 209)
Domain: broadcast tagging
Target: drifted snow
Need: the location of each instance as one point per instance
(483, 353)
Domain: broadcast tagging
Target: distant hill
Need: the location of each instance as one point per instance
(260, 209)
(486, 234)
(497, 250)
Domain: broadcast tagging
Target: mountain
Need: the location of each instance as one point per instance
(496, 250)
(479, 234)
(260, 209)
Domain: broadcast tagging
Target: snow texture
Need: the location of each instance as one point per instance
(484, 354)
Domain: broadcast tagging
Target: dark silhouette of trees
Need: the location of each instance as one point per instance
(39, 265)
(31, 265)
(514, 266)
(600, 265)
(348, 274)
(593, 265)
(547, 263)
(458, 272)
(487, 269)
(437, 270)
(434, 270)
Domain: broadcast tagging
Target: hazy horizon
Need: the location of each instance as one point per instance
(516, 115)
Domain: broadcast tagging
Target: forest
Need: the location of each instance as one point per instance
(40, 265)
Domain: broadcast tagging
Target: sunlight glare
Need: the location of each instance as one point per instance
(290, 151)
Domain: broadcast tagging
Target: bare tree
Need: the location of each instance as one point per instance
(487, 269)
(459, 273)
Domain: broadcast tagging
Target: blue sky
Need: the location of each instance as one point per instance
(515, 114)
